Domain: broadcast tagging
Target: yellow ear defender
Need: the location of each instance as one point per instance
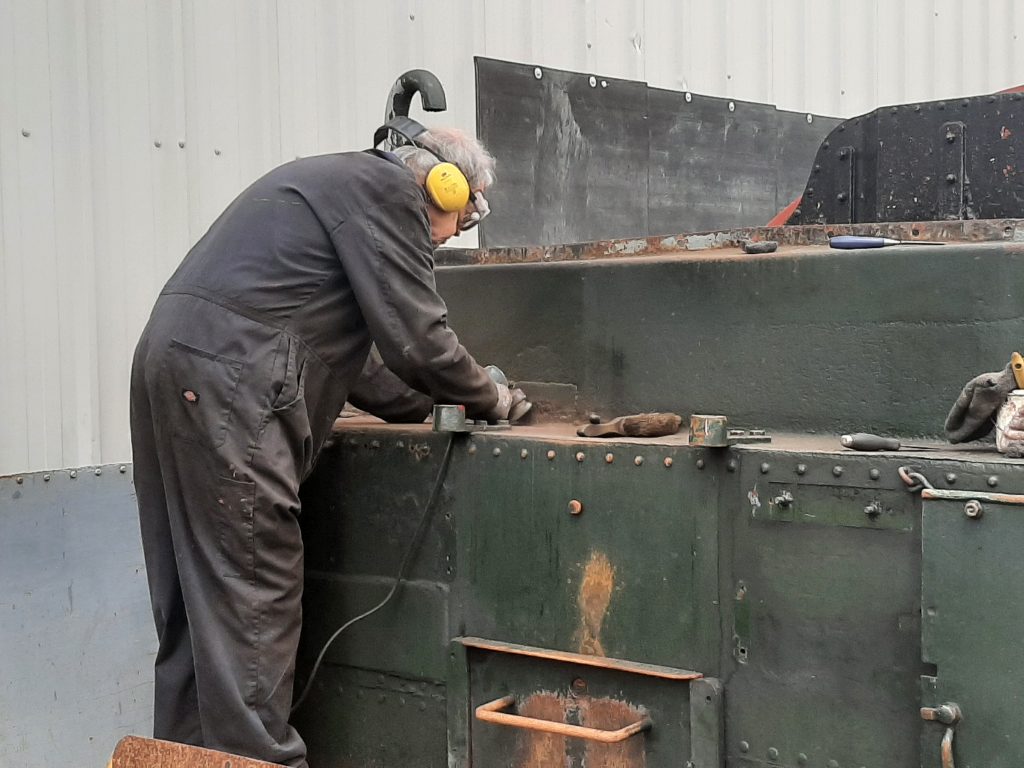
(446, 184)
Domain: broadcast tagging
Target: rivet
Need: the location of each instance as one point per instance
(523, 453)
(950, 178)
(181, 144)
(842, 154)
(942, 105)
(375, 444)
(579, 685)
(593, 82)
(158, 144)
(688, 96)
(951, 477)
(19, 480)
(732, 106)
(837, 470)
(472, 449)
(538, 73)
(580, 456)
(423, 706)
(26, 132)
(98, 472)
(381, 698)
(874, 474)
(841, 197)
(668, 461)
(700, 463)
(73, 474)
(609, 458)
(731, 466)
(638, 460)
(810, 118)
(551, 455)
(46, 478)
(765, 466)
(993, 481)
(744, 746)
(400, 444)
(574, 507)
(216, 151)
(833, 764)
(496, 452)
(773, 753)
(604, 83)
(801, 469)
(801, 758)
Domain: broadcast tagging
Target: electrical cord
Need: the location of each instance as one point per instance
(403, 571)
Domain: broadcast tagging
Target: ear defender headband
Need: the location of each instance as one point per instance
(446, 184)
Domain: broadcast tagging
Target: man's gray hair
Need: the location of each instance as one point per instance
(455, 146)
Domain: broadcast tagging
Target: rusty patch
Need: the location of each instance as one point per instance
(1005, 133)
(608, 715)
(594, 597)
(137, 752)
(535, 748)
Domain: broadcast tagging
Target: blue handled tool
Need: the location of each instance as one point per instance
(851, 242)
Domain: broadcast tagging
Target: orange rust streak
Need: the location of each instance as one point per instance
(609, 714)
(633, 667)
(137, 752)
(492, 713)
(594, 598)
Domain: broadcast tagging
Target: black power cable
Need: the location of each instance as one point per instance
(403, 571)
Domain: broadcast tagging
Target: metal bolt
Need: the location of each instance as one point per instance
(638, 460)
(688, 96)
(993, 481)
(773, 753)
(551, 455)
(744, 746)
(574, 507)
(668, 461)
(873, 510)
(973, 509)
(593, 82)
(841, 197)
(19, 480)
(765, 466)
(874, 474)
(951, 178)
(609, 458)
(538, 73)
(523, 453)
(732, 106)
(496, 452)
(951, 477)
(810, 118)
(98, 472)
(731, 466)
(46, 478)
(837, 470)
(801, 469)
(580, 456)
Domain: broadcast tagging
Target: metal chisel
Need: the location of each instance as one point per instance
(851, 242)
(865, 441)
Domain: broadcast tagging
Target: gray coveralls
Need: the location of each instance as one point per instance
(253, 347)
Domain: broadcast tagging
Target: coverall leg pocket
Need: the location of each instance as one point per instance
(236, 501)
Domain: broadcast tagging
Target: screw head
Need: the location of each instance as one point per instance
(874, 474)
(668, 461)
(609, 458)
(973, 509)
(574, 507)
(638, 460)
(580, 456)
(551, 455)
(765, 466)
(837, 470)
(700, 464)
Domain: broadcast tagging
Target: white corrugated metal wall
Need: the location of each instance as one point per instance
(126, 126)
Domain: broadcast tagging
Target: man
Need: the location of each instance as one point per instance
(252, 348)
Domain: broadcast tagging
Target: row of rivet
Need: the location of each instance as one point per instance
(609, 458)
(837, 471)
(773, 754)
(73, 474)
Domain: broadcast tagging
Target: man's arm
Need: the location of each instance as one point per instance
(384, 395)
(386, 253)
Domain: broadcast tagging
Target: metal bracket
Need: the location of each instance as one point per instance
(952, 203)
(452, 418)
(714, 432)
(847, 189)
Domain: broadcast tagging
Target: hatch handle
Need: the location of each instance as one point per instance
(949, 715)
(492, 712)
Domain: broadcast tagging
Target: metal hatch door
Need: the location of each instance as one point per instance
(972, 582)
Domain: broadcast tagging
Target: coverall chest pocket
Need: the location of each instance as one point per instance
(202, 387)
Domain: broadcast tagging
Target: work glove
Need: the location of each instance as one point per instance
(512, 404)
(973, 414)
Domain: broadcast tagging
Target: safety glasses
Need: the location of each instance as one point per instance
(480, 212)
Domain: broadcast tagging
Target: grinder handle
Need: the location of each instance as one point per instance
(864, 441)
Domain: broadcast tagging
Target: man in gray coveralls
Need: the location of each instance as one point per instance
(254, 345)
